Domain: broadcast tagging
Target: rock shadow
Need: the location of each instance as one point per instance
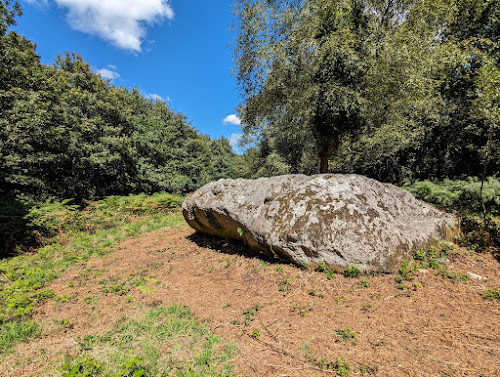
(231, 247)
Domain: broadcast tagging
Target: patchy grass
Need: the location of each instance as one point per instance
(165, 341)
(12, 332)
(75, 235)
(435, 257)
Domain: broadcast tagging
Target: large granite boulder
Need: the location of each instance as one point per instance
(336, 220)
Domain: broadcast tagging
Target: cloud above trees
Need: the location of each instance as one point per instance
(108, 74)
(121, 22)
(232, 119)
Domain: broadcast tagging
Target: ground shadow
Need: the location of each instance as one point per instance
(231, 247)
(14, 230)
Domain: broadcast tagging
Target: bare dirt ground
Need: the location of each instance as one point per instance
(442, 329)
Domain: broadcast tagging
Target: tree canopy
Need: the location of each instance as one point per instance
(393, 89)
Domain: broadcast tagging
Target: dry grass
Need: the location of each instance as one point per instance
(442, 329)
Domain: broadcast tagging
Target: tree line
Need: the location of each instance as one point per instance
(397, 90)
(67, 133)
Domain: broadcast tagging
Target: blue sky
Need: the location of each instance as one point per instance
(178, 50)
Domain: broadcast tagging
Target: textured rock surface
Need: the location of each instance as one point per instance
(337, 220)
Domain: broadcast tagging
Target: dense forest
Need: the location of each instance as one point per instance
(67, 133)
(395, 90)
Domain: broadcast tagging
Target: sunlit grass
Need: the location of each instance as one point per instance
(165, 341)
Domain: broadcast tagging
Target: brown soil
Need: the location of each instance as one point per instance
(442, 329)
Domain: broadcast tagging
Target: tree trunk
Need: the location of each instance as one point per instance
(330, 146)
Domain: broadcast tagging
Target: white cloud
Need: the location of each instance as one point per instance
(112, 67)
(122, 22)
(156, 97)
(108, 74)
(232, 119)
(234, 139)
(40, 3)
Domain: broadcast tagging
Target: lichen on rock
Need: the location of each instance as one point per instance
(331, 219)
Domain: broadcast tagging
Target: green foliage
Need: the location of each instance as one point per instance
(433, 257)
(491, 294)
(341, 367)
(24, 278)
(48, 219)
(405, 272)
(285, 286)
(67, 133)
(479, 209)
(395, 89)
(365, 369)
(458, 194)
(346, 334)
(256, 333)
(14, 230)
(12, 332)
(352, 272)
(250, 314)
(455, 277)
(82, 367)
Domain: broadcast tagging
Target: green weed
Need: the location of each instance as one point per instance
(80, 367)
(364, 283)
(256, 333)
(346, 334)
(250, 314)
(364, 369)
(455, 277)
(367, 306)
(352, 272)
(301, 309)
(341, 367)
(285, 286)
(491, 294)
(313, 293)
(12, 332)
(406, 272)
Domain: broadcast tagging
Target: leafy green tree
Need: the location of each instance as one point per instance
(301, 75)
(404, 87)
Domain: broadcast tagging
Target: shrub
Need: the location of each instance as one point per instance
(22, 224)
(459, 194)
